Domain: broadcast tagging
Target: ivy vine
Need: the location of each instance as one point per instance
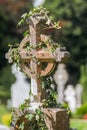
(24, 118)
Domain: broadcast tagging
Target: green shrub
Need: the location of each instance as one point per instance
(3, 111)
(80, 112)
(83, 82)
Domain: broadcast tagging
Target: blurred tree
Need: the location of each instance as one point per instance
(10, 12)
(73, 15)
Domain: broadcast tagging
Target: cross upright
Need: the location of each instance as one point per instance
(30, 57)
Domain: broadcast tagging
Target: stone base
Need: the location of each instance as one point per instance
(57, 119)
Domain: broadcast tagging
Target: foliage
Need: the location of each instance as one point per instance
(24, 117)
(9, 17)
(83, 81)
(73, 15)
(10, 11)
(3, 111)
(6, 119)
(6, 79)
(78, 124)
(80, 112)
(13, 54)
(51, 95)
(6, 34)
(39, 10)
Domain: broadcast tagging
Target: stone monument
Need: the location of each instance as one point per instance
(32, 62)
(61, 77)
(70, 97)
(20, 89)
(79, 90)
(3, 127)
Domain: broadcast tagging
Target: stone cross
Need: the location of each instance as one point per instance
(32, 59)
(36, 60)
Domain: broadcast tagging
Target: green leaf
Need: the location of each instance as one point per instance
(24, 15)
(21, 22)
(30, 116)
(21, 126)
(38, 111)
(26, 33)
(22, 106)
(37, 117)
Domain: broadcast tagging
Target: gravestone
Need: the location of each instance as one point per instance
(79, 90)
(70, 97)
(3, 127)
(27, 62)
(61, 77)
(32, 61)
(20, 89)
(9, 103)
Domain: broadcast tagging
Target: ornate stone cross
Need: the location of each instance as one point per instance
(37, 58)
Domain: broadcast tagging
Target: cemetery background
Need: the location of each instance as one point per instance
(5, 68)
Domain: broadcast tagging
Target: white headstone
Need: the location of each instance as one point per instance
(9, 103)
(20, 89)
(70, 97)
(3, 127)
(61, 77)
(79, 90)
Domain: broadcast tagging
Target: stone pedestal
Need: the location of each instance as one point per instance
(57, 119)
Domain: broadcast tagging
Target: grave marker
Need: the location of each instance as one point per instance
(29, 58)
(70, 97)
(61, 77)
(33, 59)
(79, 90)
(19, 89)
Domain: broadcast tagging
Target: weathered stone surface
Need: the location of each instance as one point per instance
(57, 119)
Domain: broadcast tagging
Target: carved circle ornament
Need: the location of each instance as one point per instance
(44, 56)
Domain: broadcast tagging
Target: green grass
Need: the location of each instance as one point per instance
(3, 111)
(78, 124)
